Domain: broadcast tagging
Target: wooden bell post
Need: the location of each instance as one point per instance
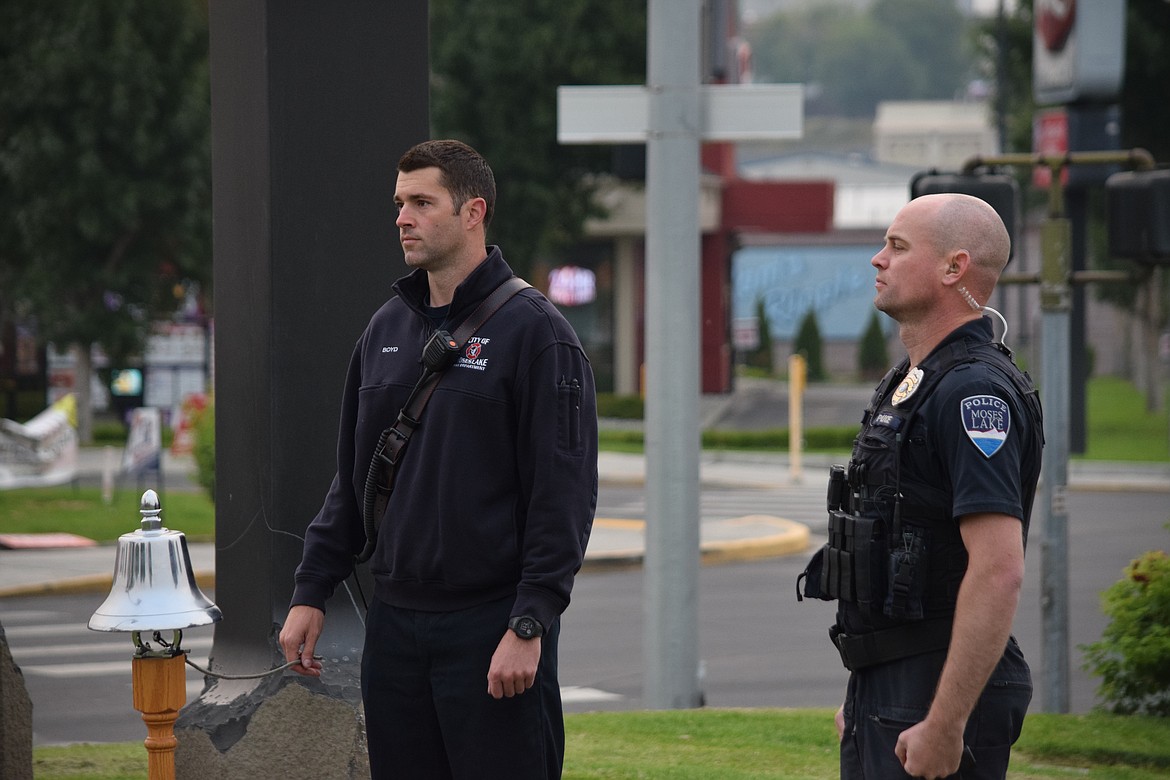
(160, 691)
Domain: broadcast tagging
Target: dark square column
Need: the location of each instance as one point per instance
(312, 104)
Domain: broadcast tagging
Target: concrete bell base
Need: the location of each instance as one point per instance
(300, 730)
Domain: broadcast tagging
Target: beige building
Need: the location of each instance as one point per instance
(933, 133)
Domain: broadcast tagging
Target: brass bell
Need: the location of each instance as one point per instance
(154, 588)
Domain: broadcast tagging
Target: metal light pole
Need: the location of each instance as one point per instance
(1056, 282)
(671, 635)
(1055, 308)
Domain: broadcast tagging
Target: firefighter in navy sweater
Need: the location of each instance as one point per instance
(475, 553)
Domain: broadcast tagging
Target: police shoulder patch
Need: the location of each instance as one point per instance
(987, 420)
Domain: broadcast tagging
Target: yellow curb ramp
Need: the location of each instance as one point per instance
(746, 538)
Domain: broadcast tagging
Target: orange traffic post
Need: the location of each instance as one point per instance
(797, 380)
(160, 690)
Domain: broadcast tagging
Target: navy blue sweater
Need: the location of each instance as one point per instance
(496, 491)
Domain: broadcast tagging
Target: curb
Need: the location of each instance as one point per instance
(90, 583)
(790, 538)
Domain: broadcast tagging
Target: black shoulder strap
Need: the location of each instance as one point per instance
(392, 443)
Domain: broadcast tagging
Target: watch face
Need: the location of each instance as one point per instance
(526, 627)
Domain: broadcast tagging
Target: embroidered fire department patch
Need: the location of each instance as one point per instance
(473, 354)
(987, 420)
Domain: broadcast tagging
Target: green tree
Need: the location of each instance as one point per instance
(789, 47)
(761, 356)
(104, 168)
(495, 68)
(808, 343)
(1145, 111)
(1003, 57)
(852, 58)
(1144, 118)
(873, 355)
(936, 34)
(863, 66)
(203, 453)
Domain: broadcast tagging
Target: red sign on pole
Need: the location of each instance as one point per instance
(1049, 138)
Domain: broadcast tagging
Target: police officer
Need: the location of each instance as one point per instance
(929, 519)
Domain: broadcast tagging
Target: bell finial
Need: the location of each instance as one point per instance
(150, 509)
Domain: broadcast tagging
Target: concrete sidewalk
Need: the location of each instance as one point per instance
(615, 542)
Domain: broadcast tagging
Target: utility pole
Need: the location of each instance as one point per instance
(1056, 280)
(670, 613)
(672, 114)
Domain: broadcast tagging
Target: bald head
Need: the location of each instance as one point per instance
(966, 222)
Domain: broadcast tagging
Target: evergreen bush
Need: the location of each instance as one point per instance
(808, 343)
(1133, 656)
(761, 356)
(620, 407)
(873, 357)
(203, 426)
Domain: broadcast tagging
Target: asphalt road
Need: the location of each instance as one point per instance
(759, 647)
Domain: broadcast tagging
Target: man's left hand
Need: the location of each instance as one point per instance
(513, 668)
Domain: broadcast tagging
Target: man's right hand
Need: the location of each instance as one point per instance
(298, 638)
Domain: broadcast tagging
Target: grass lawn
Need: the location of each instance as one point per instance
(1118, 425)
(741, 744)
(1118, 428)
(82, 511)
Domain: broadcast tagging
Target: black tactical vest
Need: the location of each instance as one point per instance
(894, 555)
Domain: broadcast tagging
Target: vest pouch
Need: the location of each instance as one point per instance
(811, 577)
(837, 565)
(907, 573)
(869, 570)
(853, 561)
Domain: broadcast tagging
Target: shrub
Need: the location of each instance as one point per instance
(1133, 656)
(620, 407)
(112, 432)
(838, 439)
(203, 426)
(761, 356)
(873, 357)
(808, 343)
(115, 433)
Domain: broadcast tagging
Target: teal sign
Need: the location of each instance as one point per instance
(834, 281)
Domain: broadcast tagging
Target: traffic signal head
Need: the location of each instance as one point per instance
(999, 190)
(1138, 206)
